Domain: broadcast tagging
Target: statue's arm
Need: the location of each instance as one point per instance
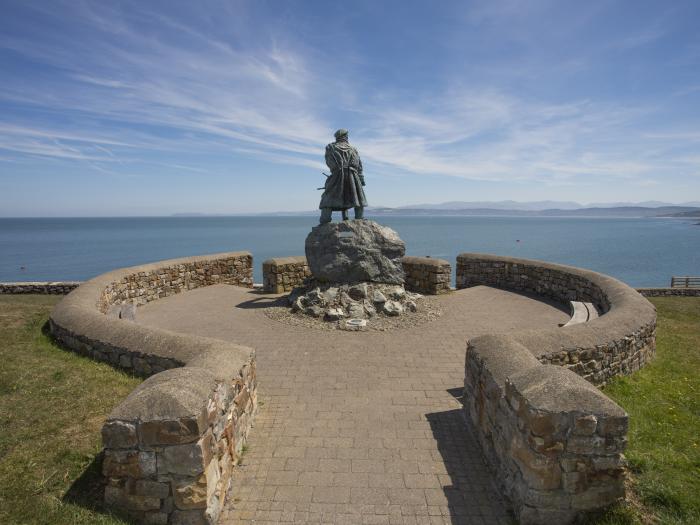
(359, 170)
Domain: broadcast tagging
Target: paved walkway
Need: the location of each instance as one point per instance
(358, 427)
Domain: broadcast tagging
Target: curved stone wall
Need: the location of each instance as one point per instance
(170, 446)
(618, 342)
(554, 441)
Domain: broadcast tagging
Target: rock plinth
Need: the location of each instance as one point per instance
(355, 251)
(336, 302)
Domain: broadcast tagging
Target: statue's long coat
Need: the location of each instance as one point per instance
(343, 189)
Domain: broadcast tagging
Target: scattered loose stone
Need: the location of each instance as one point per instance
(333, 302)
(427, 310)
(378, 297)
(392, 308)
(334, 314)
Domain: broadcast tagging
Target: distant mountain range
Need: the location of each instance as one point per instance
(521, 209)
(543, 205)
(609, 211)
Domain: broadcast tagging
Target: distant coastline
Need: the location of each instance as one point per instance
(632, 212)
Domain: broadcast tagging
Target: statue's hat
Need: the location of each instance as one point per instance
(341, 133)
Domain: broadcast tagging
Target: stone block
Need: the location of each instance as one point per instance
(539, 472)
(183, 460)
(191, 494)
(128, 463)
(148, 488)
(613, 426)
(585, 425)
(119, 434)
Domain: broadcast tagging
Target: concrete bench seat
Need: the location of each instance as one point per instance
(581, 313)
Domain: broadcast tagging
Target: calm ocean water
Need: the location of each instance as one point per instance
(641, 252)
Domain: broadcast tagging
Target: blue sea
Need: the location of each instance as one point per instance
(641, 252)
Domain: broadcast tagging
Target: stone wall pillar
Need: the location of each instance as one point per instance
(283, 274)
(427, 275)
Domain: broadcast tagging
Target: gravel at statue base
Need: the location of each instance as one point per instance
(428, 309)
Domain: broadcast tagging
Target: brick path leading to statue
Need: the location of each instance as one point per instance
(358, 427)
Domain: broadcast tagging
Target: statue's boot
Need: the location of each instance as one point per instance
(345, 215)
(359, 212)
(326, 215)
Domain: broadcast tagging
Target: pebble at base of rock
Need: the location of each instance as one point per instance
(355, 251)
(336, 302)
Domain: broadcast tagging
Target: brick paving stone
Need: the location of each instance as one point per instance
(357, 427)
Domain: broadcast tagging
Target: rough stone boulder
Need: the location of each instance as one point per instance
(355, 251)
(334, 302)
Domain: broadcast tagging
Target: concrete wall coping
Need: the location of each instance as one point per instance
(281, 261)
(551, 388)
(425, 261)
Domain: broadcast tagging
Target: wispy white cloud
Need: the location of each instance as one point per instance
(274, 102)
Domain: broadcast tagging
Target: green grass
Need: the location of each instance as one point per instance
(663, 401)
(52, 405)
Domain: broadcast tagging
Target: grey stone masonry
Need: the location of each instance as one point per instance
(283, 274)
(619, 342)
(169, 458)
(149, 285)
(553, 440)
(669, 292)
(170, 447)
(422, 274)
(39, 287)
(427, 275)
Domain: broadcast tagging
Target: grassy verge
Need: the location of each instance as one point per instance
(52, 405)
(663, 401)
(53, 402)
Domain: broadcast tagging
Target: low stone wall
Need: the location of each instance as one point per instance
(170, 447)
(283, 274)
(41, 287)
(619, 342)
(427, 275)
(554, 441)
(669, 292)
(150, 283)
(423, 274)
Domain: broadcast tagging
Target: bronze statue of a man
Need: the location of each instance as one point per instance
(343, 189)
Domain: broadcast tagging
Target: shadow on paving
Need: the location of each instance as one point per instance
(472, 496)
(262, 302)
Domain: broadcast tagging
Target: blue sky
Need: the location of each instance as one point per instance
(152, 108)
